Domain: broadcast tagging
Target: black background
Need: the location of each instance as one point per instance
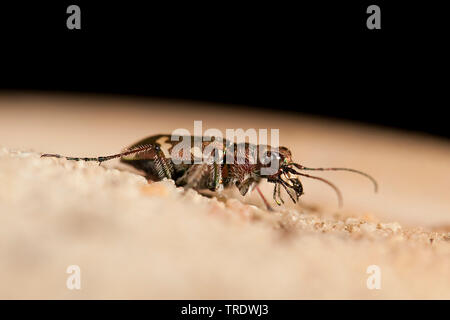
(316, 57)
(278, 309)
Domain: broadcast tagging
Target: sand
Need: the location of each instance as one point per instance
(132, 239)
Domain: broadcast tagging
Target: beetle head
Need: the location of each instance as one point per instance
(289, 171)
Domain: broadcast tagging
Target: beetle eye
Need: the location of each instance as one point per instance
(275, 156)
(272, 157)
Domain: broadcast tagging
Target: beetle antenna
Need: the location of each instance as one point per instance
(375, 183)
(336, 189)
(103, 158)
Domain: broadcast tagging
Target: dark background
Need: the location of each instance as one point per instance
(316, 57)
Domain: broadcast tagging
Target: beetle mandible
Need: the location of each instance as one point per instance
(157, 156)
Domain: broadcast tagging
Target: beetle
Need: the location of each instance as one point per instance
(160, 157)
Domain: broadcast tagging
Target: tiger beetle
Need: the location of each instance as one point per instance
(158, 158)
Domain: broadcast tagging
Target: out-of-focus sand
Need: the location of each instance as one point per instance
(134, 240)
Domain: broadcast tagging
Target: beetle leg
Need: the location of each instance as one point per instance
(217, 183)
(269, 208)
(279, 193)
(194, 177)
(274, 196)
(163, 166)
(288, 191)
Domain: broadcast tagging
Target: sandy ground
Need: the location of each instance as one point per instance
(135, 240)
